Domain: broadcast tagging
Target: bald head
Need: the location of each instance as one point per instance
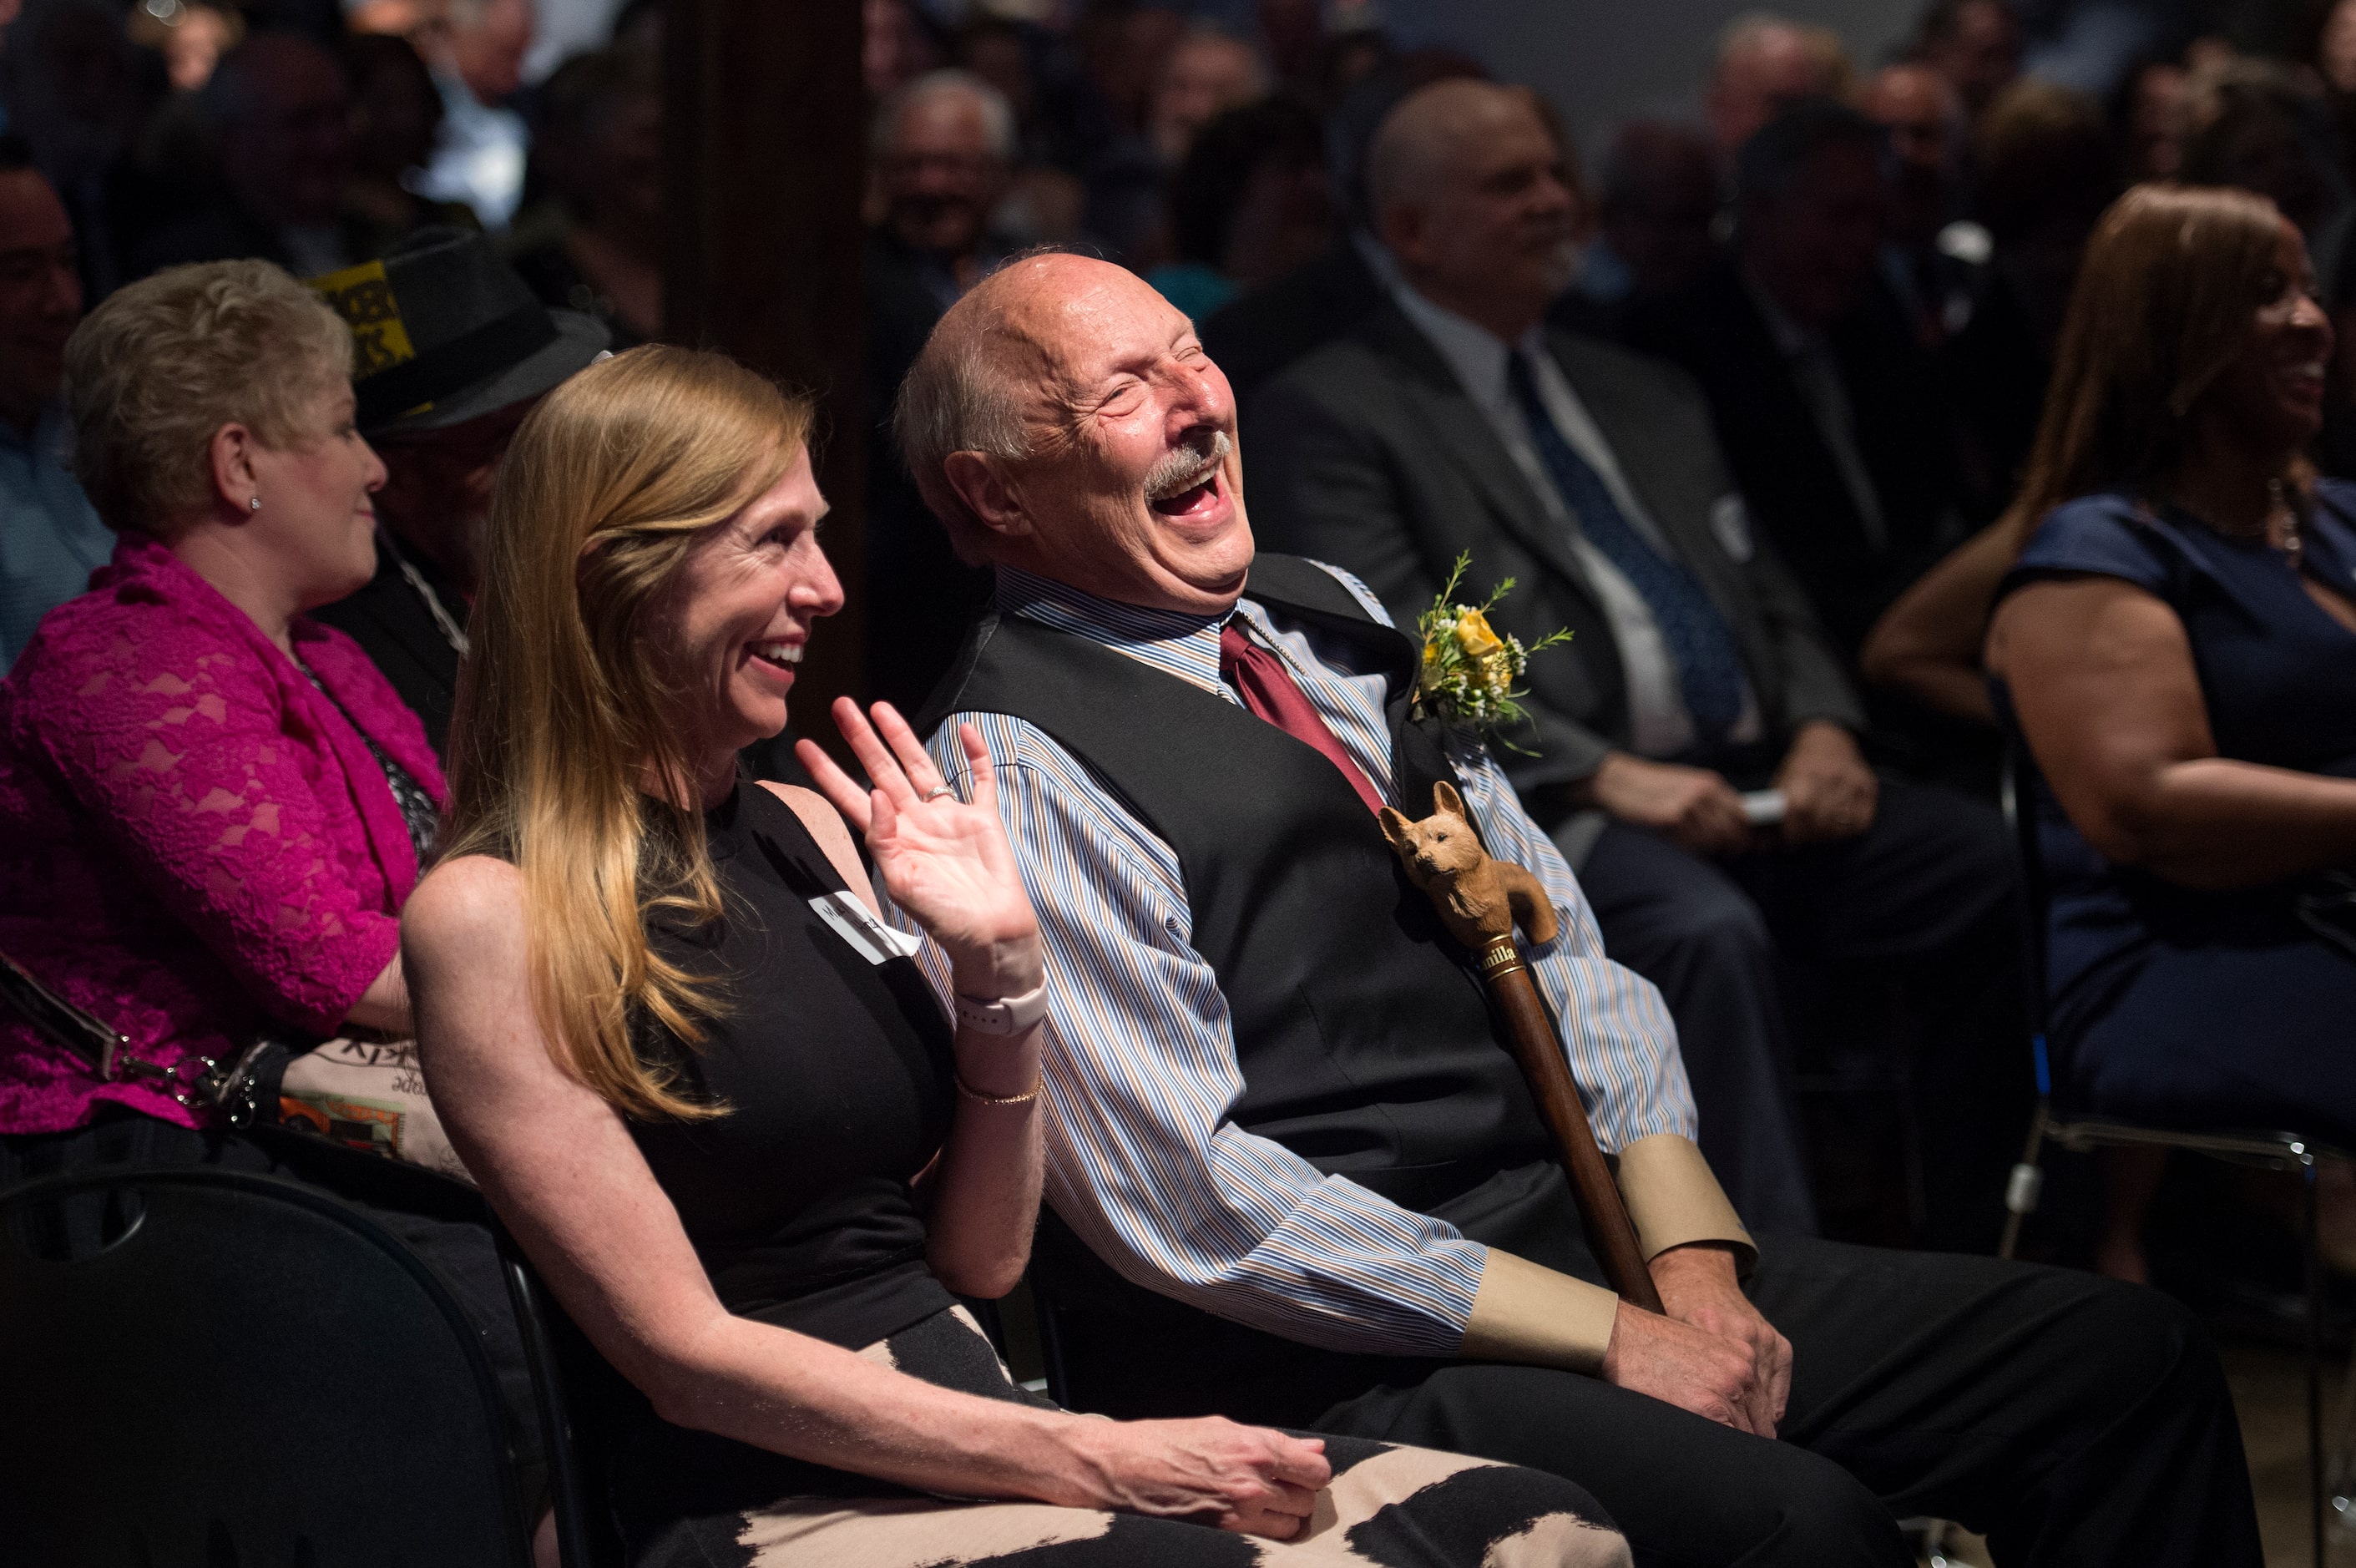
(1471, 192)
(1064, 419)
(1424, 143)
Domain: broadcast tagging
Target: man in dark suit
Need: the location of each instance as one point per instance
(1828, 409)
(1452, 421)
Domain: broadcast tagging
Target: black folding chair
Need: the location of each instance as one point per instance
(576, 1389)
(2062, 1119)
(208, 1366)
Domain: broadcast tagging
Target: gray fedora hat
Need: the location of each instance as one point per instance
(444, 331)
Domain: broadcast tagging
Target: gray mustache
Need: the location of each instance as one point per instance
(1187, 466)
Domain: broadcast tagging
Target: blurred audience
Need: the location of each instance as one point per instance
(476, 50)
(1040, 82)
(440, 418)
(396, 114)
(596, 245)
(1935, 270)
(1765, 64)
(2176, 643)
(1976, 45)
(2150, 120)
(1206, 74)
(1293, 35)
(190, 39)
(2045, 168)
(1656, 201)
(279, 116)
(1451, 423)
(1251, 204)
(1830, 410)
(50, 537)
(1258, 335)
(73, 95)
(2261, 127)
(942, 149)
(897, 45)
(1122, 50)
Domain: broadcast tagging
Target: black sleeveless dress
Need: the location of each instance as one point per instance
(834, 1059)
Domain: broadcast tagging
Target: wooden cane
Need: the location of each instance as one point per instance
(1538, 1050)
(1479, 899)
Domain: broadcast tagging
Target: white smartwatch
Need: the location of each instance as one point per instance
(1004, 1014)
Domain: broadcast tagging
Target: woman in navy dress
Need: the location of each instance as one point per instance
(2177, 644)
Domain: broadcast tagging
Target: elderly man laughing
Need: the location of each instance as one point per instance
(1297, 1177)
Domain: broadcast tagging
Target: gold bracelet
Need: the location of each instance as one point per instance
(970, 1092)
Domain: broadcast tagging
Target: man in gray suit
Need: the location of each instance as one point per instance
(1698, 680)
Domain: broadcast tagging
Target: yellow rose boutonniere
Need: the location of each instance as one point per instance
(1469, 669)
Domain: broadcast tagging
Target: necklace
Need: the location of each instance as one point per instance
(2293, 545)
(451, 632)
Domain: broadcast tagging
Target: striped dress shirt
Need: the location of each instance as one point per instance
(1143, 1159)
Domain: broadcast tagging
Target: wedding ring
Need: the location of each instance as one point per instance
(936, 794)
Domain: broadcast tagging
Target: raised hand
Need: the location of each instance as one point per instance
(1248, 1479)
(943, 860)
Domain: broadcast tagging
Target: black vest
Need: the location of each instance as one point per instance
(1366, 1043)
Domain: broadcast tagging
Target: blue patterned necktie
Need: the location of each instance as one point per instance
(1709, 676)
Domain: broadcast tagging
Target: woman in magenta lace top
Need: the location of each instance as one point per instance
(211, 808)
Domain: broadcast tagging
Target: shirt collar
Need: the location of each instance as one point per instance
(1186, 646)
(1476, 354)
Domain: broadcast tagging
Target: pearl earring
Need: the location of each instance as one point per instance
(255, 503)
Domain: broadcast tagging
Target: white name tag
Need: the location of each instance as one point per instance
(870, 937)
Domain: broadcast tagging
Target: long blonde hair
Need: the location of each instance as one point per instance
(561, 711)
(2172, 280)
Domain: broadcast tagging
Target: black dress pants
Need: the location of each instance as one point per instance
(1925, 894)
(2073, 1420)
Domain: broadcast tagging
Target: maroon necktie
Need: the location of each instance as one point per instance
(1268, 689)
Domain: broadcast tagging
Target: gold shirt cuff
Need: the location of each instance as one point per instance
(1673, 1198)
(1531, 1316)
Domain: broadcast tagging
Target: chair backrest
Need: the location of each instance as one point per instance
(244, 1372)
(576, 1390)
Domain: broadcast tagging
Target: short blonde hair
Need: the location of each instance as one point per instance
(165, 362)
